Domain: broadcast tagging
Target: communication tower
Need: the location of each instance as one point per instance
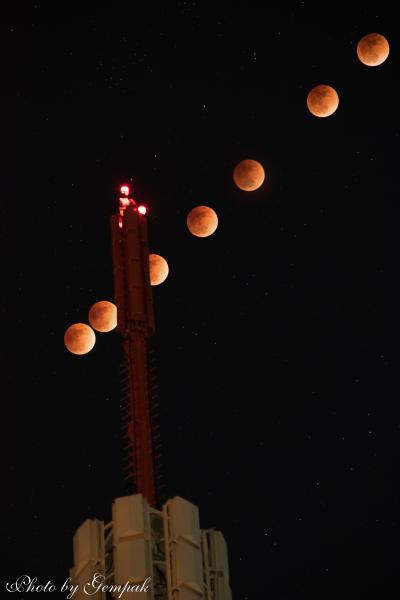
(144, 544)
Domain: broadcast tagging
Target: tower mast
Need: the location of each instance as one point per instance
(143, 543)
(133, 297)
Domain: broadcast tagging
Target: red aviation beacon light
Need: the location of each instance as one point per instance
(125, 201)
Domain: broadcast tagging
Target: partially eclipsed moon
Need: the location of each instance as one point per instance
(158, 268)
(79, 338)
(373, 49)
(322, 101)
(103, 316)
(202, 221)
(249, 175)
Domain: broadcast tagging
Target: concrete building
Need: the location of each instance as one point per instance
(162, 551)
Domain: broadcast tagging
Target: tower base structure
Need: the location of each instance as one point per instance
(163, 554)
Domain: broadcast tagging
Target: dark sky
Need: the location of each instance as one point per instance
(277, 416)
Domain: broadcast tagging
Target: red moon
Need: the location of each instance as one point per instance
(79, 338)
(322, 101)
(249, 175)
(159, 269)
(373, 49)
(202, 221)
(103, 316)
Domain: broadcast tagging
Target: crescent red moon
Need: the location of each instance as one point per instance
(159, 269)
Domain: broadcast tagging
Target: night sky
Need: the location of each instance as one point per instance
(277, 417)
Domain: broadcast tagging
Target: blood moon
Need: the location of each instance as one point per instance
(103, 316)
(249, 175)
(373, 49)
(202, 221)
(79, 338)
(159, 269)
(322, 101)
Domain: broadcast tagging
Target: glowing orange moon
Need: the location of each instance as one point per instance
(159, 269)
(103, 316)
(373, 49)
(322, 101)
(79, 338)
(202, 221)
(249, 175)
